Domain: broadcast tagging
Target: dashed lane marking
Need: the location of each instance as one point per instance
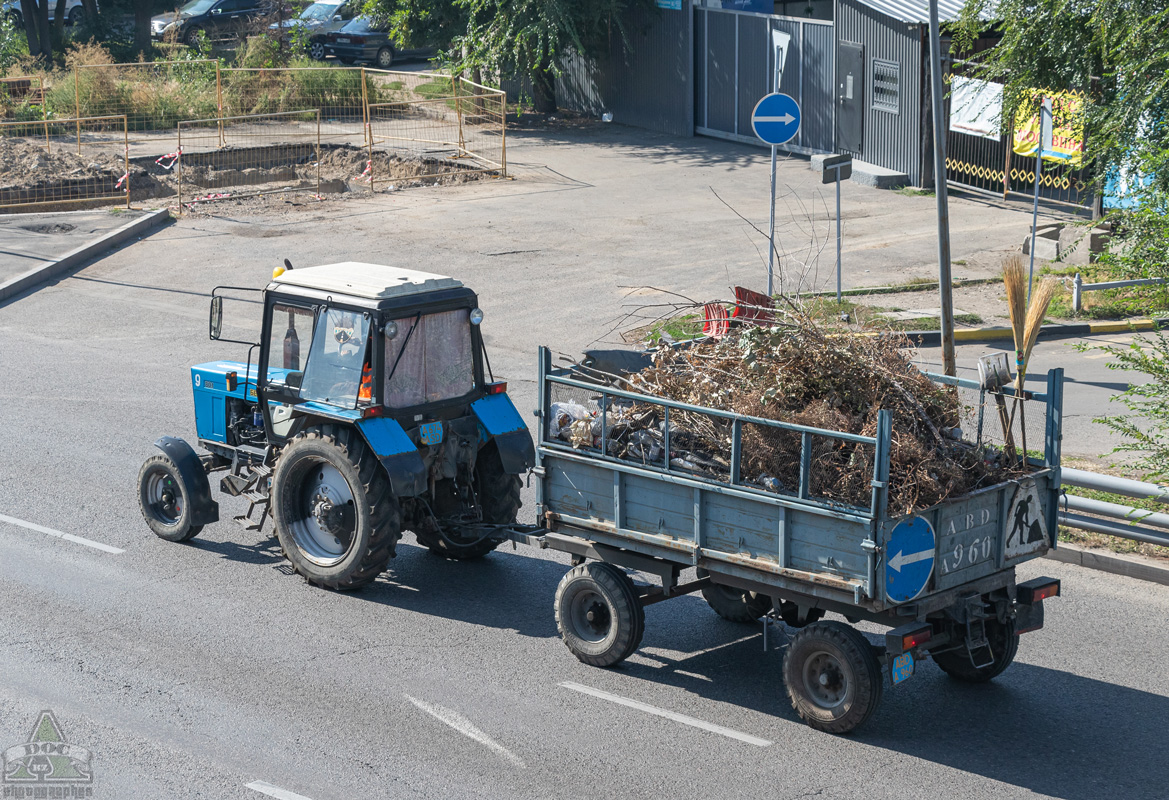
(105, 548)
(275, 791)
(464, 726)
(661, 712)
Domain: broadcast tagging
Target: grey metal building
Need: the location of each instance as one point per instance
(882, 83)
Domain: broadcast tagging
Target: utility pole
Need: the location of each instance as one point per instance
(945, 284)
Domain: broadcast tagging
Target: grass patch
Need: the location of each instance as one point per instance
(913, 191)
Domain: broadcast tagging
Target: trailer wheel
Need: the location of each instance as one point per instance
(165, 500)
(1004, 644)
(499, 500)
(832, 677)
(598, 614)
(789, 612)
(735, 605)
(336, 517)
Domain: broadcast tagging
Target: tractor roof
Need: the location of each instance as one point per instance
(372, 281)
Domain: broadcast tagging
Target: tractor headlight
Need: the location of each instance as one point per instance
(476, 316)
(391, 329)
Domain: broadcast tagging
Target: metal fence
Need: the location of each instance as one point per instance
(989, 165)
(372, 127)
(1115, 519)
(64, 162)
(1079, 287)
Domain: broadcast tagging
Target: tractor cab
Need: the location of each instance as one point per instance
(356, 365)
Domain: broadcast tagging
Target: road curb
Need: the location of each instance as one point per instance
(1116, 563)
(934, 338)
(80, 255)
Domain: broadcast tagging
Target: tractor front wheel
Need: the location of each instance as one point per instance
(165, 500)
(336, 517)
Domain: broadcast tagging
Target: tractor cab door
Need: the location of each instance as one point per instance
(317, 359)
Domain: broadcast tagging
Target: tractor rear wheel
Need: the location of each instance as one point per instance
(165, 500)
(498, 494)
(336, 517)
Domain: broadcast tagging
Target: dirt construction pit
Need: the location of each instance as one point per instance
(32, 174)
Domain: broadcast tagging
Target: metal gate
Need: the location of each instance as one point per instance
(737, 56)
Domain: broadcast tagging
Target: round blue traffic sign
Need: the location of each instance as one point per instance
(909, 559)
(776, 118)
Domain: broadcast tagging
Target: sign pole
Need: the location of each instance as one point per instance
(838, 235)
(949, 362)
(1044, 140)
(771, 230)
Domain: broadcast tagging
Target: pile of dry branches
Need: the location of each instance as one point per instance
(802, 372)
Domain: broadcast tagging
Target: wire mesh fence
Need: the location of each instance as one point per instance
(64, 162)
(243, 156)
(371, 128)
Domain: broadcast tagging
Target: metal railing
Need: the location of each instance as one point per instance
(1114, 519)
(1079, 287)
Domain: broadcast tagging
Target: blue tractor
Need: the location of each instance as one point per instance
(371, 409)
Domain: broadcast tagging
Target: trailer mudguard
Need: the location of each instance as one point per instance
(503, 423)
(204, 510)
(397, 454)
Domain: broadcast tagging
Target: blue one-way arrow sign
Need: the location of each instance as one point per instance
(776, 118)
(909, 559)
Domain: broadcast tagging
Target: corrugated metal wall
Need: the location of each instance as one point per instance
(649, 87)
(891, 140)
(733, 68)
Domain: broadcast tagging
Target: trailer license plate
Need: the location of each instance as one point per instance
(431, 433)
(902, 668)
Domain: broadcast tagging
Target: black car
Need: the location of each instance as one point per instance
(217, 18)
(363, 40)
(318, 20)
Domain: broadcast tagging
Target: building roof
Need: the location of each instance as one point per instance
(916, 10)
(372, 281)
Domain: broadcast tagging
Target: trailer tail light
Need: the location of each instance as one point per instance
(499, 387)
(907, 637)
(1037, 590)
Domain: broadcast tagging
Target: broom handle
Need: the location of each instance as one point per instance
(1008, 438)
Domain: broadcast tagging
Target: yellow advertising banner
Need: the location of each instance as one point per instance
(1067, 124)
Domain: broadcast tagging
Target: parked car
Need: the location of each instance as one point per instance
(318, 20)
(217, 18)
(74, 12)
(361, 39)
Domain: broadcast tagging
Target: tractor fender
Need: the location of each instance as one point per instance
(506, 427)
(397, 454)
(204, 510)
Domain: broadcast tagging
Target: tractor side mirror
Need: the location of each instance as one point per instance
(216, 321)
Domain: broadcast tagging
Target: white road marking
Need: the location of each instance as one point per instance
(661, 712)
(467, 728)
(275, 791)
(66, 536)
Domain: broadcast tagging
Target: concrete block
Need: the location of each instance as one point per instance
(878, 177)
(1044, 248)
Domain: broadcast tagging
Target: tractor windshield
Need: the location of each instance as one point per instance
(335, 361)
(429, 359)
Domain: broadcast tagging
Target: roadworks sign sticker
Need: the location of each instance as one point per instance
(46, 765)
(1026, 529)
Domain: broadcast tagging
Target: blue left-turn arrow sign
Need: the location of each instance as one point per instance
(776, 118)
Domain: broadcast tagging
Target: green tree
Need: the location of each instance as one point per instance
(1146, 430)
(511, 38)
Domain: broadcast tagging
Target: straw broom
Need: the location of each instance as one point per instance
(1015, 282)
(1036, 310)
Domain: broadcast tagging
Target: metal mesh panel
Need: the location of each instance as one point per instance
(64, 162)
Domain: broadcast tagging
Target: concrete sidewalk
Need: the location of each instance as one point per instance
(28, 241)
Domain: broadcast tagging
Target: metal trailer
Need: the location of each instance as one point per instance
(942, 579)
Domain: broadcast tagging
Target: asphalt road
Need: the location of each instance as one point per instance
(195, 670)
